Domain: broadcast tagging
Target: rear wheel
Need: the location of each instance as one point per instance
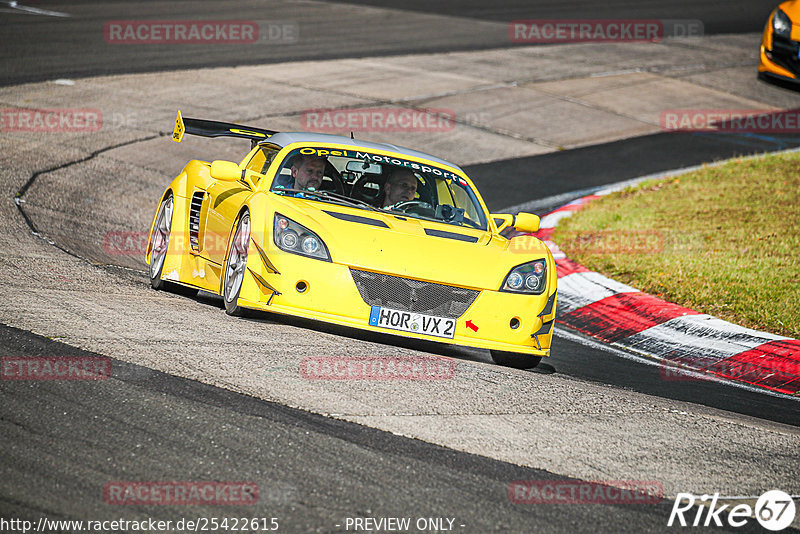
(159, 242)
(515, 360)
(235, 266)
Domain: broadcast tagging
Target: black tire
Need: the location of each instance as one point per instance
(236, 265)
(515, 360)
(159, 243)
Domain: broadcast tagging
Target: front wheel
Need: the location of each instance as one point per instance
(515, 360)
(235, 266)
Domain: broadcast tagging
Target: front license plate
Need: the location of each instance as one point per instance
(412, 322)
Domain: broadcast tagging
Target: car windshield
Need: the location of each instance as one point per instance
(376, 182)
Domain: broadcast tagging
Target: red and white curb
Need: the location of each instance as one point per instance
(677, 337)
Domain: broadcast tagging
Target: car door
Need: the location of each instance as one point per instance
(225, 200)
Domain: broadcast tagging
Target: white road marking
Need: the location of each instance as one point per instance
(701, 339)
(17, 7)
(551, 220)
(644, 358)
(581, 289)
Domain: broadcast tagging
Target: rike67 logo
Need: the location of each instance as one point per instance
(774, 510)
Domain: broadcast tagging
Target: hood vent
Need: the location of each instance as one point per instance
(451, 235)
(357, 219)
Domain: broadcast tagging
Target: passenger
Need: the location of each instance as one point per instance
(401, 186)
(307, 171)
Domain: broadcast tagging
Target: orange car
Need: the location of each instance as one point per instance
(780, 44)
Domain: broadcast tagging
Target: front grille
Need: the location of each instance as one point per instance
(413, 295)
(785, 53)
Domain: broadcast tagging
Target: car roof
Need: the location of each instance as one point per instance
(285, 138)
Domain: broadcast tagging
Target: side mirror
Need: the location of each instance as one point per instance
(502, 220)
(227, 171)
(526, 222)
(523, 222)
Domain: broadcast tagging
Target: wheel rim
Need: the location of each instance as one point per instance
(160, 239)
(237, 260)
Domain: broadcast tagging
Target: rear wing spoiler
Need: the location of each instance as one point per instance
(206, 128)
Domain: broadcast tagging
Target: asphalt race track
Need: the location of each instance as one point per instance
(738, 17)
(43, 47)
(196, 395)
(312, 471)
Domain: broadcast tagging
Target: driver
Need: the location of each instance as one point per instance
(307, 171)
(401, 186)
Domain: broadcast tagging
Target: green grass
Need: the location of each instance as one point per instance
(722, 240)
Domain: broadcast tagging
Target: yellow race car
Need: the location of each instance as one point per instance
(366, 235)
(780, 43)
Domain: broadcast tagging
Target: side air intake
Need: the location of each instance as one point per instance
(194, 220)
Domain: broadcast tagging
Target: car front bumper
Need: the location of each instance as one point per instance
(303, 287)
(782, 61)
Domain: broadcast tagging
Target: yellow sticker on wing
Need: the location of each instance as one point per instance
(246, 132)
(180, 129)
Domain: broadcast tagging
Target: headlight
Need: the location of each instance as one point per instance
(529, 277)
(515, 281)
(298, 239)
(310, 244)
(781, 24)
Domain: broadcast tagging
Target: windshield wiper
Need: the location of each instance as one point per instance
(330, 195)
